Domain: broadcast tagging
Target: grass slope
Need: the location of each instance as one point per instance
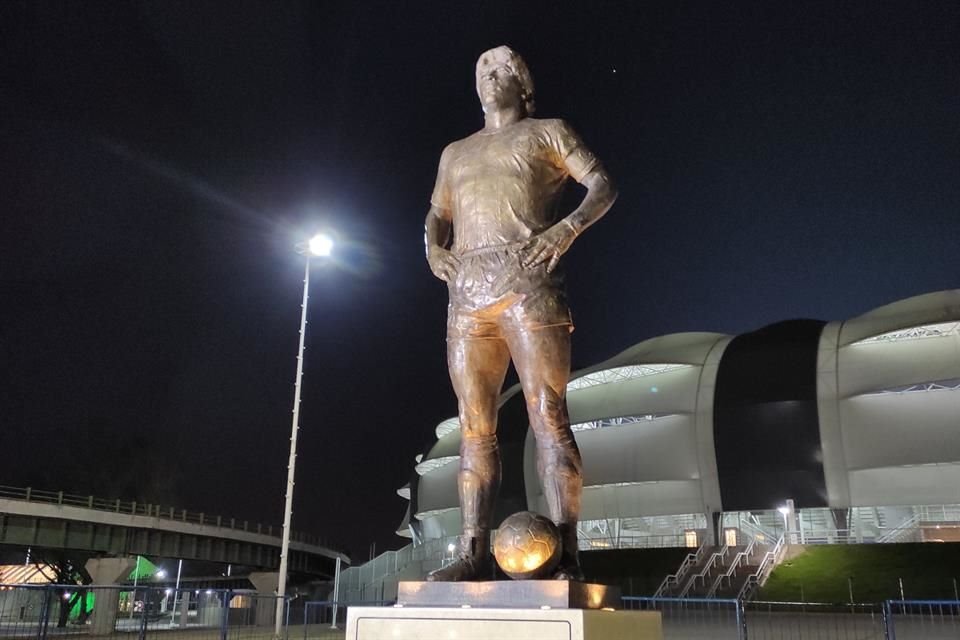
(820, 573)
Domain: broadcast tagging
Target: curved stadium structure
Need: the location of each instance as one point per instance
(852, 427)
(800, 432)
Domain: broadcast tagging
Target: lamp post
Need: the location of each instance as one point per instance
(784, 510)
(320, 245)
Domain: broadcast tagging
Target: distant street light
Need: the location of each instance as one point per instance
(321, 246)
(784, 510)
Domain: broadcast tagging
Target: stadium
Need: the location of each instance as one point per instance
(807, 431)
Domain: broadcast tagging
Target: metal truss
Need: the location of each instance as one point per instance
(952, 384)
(618, 421)
(940, 330)
(621, 374)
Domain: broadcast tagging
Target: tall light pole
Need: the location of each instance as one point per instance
(320, 245)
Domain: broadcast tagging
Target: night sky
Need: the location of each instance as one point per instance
(160, 159)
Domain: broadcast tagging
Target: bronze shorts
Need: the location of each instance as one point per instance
(492, 295)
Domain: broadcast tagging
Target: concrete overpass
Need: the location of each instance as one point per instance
(55, 520)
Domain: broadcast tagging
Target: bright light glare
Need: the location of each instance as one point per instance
(161, 574)
(783, 510)
(451, 547)
(321, 245)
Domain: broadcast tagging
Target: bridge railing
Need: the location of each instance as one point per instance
(132, 507)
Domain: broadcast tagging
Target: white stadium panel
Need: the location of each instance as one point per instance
(672, 391)
(711, 499)
(620, 374)
(448, 426)
(911, 485)
(445, 448)
(687, 348)
(835, 475)
(438, 489)
(928, 309)
(403, 529)
(663, 449)
(440, 523)
(875, 366)
(630, 500)
(930, 330)
(901, 428)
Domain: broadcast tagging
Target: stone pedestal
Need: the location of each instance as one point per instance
(507, 610)
(106, 574)
(418, 623)
(266, 600)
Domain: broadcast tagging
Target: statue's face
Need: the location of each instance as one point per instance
(498, 88)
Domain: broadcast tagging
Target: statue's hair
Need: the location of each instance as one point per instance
(504, 56)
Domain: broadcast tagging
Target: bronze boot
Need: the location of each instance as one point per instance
(472, 563)
(569, 567)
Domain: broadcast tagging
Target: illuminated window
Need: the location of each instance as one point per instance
(730, 537)
(690, 539)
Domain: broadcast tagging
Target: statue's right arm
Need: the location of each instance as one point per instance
(438, 229)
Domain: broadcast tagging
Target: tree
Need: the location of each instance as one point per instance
(66, 568)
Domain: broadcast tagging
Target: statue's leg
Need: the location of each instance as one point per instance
(542, 359)
(477, 369)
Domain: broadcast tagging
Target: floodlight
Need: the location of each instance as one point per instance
(321, 245)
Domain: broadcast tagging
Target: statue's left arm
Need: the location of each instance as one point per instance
(583, 166)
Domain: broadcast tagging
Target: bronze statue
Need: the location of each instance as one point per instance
(492, 233)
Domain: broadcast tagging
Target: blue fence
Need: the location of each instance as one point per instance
(922, 619)
(46, 611)
(43, 611)
(325, 618)
(695, 618)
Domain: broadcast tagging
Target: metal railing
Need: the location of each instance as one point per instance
(695, 618)
(922, 619)
(321, 617)
(802, 621)
(701, 577)
(673, 579)
(728, 619)
(907, 529)
(132, 507)
(769, 562)
(725, 578)
(42, 611)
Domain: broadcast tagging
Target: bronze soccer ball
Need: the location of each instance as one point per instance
(527, 546)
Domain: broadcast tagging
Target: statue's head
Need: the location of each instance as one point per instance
(503, 80)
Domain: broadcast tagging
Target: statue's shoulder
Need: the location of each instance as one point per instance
(548, 125)
(459, 145)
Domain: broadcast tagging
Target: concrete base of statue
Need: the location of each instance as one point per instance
(467, 623)
(522, 609)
